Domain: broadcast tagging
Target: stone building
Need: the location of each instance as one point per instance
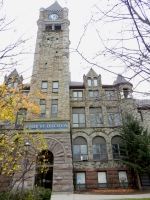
(80, 120)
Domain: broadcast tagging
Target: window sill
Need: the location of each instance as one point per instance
(104, 160)
(80, 160)
(97, 126)
(79, 127)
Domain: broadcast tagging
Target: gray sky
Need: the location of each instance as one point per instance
(27, 13)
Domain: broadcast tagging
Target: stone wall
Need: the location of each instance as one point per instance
(60, 146)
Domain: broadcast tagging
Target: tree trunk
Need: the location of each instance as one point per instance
(133, 178)
(138, 181)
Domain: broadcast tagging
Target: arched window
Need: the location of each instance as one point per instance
(117, 147)
(95, 82)
(89, 82)
(48, 41)
(46, 65)
(57, 41)
(16, 83)
(56, 54)
(99, 148)
(80, 149)
(9, 85)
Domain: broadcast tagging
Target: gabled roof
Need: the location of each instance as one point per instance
(120, 80)
(13, 74)
(55, 7)
(92, 73)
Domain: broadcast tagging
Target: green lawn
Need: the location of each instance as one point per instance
(134, 199)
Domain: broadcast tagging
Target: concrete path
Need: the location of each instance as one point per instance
(96, 197)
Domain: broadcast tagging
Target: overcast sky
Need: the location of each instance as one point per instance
(27, 13)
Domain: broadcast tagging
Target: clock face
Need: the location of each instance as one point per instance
(53, 17)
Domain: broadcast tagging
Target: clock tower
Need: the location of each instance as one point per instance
(51, 76)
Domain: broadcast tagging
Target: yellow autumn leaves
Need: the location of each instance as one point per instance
(12, 148)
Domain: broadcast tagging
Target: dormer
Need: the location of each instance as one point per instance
(13, 79)
(92, 79)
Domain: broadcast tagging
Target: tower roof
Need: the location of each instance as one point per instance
(120, 79)
(55, 7)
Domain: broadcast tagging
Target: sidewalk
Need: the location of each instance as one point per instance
(96, 197)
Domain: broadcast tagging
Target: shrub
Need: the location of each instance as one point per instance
(47, 194)
(38, 193)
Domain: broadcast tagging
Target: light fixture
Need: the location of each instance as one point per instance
(27, 144)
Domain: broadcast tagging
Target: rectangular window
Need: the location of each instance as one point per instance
(96, 117)
(78, 115)
(95, 82)
(89, 81)
(80, 181)
(56, 54)
(118, 151)
(110, 94)
(99, 152)
(43, 108)
(123, 179)
(77, 96)
(57, 41)
(48, 27)
(113, 117)
(44, 86)
(55, 86)
(94, 95)
(80, 149)
(58, 27)
(54, 108)
(102, 181)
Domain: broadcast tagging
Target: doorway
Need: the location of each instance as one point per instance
(44, 176)
(44, 179)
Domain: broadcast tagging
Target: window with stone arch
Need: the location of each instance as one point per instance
(117, 147)
(89, 81)
(79, 148)
(99, 148)
(95, 82)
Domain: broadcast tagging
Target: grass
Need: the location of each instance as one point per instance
(134, 199)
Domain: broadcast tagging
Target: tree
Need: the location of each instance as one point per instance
(122, 29)
(12, 141)
(137, 146)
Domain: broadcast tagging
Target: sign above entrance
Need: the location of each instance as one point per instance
(47, 126)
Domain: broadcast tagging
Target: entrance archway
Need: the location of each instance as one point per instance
(44, 169)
